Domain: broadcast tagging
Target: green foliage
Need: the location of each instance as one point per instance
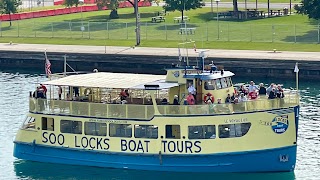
(110, 4)
(309, 7)
(182, 5)
(70, 3)
(9, 6)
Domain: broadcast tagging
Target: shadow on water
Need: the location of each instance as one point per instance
(36, 170)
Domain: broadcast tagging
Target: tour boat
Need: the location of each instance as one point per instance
(83, 121)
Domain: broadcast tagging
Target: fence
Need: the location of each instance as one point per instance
(213, 31)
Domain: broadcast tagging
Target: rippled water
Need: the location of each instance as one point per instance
(14, 105)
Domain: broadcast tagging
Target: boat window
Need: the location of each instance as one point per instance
(47, 124)
(120, 130)
(146, 131)
(229, 81)
(233, 130)
(209, 85)
(218, 83)
(173, 131)
(95, 129)
(224, 83)
(202, 132)
(29, 123)
(72, 127)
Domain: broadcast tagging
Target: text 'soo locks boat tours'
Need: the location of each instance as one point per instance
(152, 122)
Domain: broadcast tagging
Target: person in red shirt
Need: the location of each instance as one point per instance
(190, 99)
(253, 95)
(44, 90)
(123, 95)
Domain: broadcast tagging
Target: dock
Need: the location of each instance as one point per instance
(154, 60)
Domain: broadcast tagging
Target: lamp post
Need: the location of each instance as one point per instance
(81, 2)
(137, 23)
(217, 1)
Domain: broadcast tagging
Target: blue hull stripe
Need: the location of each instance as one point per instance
(271, 160)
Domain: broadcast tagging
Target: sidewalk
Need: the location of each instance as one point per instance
(211, 53)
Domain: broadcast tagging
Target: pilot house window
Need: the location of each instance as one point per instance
(29, 123)
(47, 124)
(120, 130)
(202, 132)
(146, 131)
(233, 130)
(72, 127)
(95, 129)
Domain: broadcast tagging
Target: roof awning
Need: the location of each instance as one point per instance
(108, 80)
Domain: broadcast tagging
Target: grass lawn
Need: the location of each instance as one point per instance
(259, 1)
(238, 34)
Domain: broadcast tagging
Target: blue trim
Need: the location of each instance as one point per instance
(296, 117)
(270, 160)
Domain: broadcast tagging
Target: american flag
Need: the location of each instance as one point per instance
(194, 47)
(47, 66)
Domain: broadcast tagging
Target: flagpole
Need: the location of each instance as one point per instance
(65, 65)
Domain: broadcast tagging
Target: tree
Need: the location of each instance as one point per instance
(309, 7)
(70, 3)
(110, 4)
(9, 7)
(182, 5)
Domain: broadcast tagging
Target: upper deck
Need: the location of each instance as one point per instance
(96, 95)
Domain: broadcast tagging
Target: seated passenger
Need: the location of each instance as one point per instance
(164, 101)
(262, 89)
(253, 95)
(123, 95)
(242, 98)
(228, 99)
(272, 94)
(175, 100)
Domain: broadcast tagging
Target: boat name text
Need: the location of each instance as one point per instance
(240, 120)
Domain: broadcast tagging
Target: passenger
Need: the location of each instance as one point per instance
(242, 98)
(76, 91)
(252, 87)
(219, 100)
(234, 95)
(175, 100)
(279, 92)
(190, 99)
(123, 95)
(192, 90)
(253, 94)
(228, 99)
(164, 101)
(269, 89)
(127, 92)
(262, 89)
(272, 94)
(243, 90)
(59, 92)
(44, 90)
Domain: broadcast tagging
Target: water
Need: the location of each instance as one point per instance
(15, 88)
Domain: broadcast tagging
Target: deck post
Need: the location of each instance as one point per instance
(126, 110)
(89, 109)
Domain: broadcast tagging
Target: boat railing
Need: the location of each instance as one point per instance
(90, 109)
(135, 111)
(262, 104)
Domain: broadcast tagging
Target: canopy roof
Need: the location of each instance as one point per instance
(112, 80)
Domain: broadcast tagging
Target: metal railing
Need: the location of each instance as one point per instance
(224, 31)
(134, 111)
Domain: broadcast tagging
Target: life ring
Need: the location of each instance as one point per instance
(208, 97)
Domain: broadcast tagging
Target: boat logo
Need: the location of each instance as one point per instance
(280, 124)
(176, 74)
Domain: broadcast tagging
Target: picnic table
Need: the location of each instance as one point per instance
(187, 30)
(158, 19)
(179, 19)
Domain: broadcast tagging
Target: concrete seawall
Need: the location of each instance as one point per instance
(155, 60)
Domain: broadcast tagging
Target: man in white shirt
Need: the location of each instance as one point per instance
(252, 87)
(192, 90)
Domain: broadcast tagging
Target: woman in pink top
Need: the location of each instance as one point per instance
(190, 99)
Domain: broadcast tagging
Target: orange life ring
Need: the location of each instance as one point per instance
(208, 97)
